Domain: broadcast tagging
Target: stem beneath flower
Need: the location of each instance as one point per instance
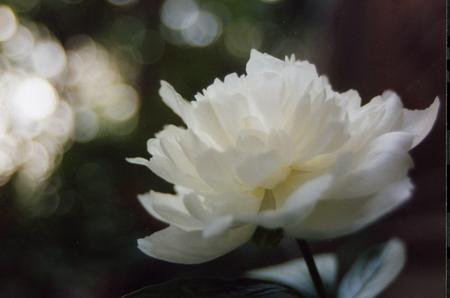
(315, 276)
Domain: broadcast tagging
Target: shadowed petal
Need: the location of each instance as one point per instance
(175, 245)
(334, 218)
(169, 209)
(420, 122)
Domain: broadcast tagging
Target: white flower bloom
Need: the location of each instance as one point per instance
(277, 148)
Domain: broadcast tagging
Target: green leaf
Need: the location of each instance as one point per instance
(213, 287)
(374, 271)
(295, 274)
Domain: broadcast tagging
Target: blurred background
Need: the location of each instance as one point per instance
(79, 86)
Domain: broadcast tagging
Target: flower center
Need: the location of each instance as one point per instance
(268, 201)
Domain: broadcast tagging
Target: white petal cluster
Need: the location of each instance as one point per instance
(277, 148)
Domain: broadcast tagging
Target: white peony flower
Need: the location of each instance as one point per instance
(276, 148)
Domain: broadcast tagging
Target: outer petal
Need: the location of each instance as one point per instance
(169, 209)
(209, 208)
(172, 153)
(420, 122)
(260, 62)
(205, 122)
(382, 162)
(381, 115)
(174, 100)
(262, 170)
(216, 169)
(334, 218)
(175, 245)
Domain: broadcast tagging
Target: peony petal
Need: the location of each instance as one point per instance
(381, 115)
(216, 169)
(262, 170)
(335, 218)
(169, 146)
(207, 208)
(172, 154)
(231, 110)
(217, 212)
(297, 206)
(138, 161)
(198, 208)
(175, 245)
(420, 122)
(169, 209)
(205, 122)
(350, 101)
(219, 226)
(384, 161)
(173, 100)
(261, 62)
(263, 88)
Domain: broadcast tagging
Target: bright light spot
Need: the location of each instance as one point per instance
(123, 2)
(8, 157)
(4, 116)
(8, 23)
(20, 44)
(98, 91)
(75, 68)
(34, 99)
(123, 103)
(204, 31)
(49, 59)
(36, 125)
(37, 162)
(179, 14)
(86, 126)
(185, 23)
(62, 121)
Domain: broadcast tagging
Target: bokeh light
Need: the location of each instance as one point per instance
(20, 45)
(123, 2)
(179, 14)
(51, 96)
(8, 23)
(185, 23)
(48, 59)
(33, 99)
(203, 31)
(97, 90)
(33, 128)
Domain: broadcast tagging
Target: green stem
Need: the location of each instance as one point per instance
(313, 272)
